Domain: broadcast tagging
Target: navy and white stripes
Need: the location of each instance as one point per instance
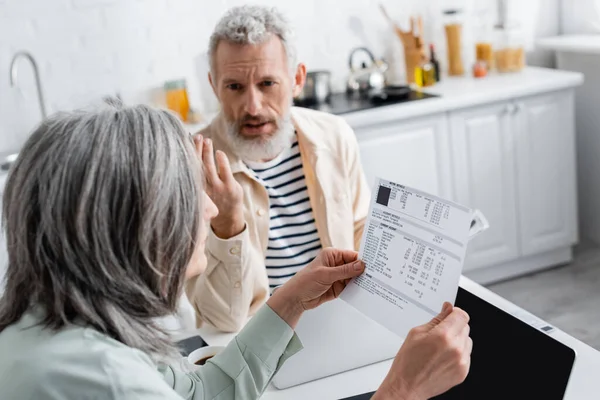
(293, 237)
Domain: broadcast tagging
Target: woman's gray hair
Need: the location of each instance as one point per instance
(102, 212)
(253, 25)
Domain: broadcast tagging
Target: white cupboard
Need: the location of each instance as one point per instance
(415, 153)
(545, 145)
(513, 159)
(484, 179)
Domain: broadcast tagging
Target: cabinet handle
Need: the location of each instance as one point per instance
(518, 108)
(510, 109)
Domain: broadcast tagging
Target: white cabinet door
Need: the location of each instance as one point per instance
(546, 172)
(484, 178)
(414, 153)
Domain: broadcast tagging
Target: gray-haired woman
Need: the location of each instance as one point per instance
(105, 217)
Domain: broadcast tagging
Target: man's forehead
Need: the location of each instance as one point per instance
(233, 56)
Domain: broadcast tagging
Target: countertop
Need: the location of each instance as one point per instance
(463, 92)
(582, 383)
(586, 44)
(342, 104)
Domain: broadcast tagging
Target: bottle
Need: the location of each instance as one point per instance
(434, 61)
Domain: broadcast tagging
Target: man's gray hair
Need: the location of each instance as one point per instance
(102, 214)
(253, 25)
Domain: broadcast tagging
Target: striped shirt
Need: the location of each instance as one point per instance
(293, 237)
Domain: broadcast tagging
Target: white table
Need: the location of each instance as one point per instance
(583, 383)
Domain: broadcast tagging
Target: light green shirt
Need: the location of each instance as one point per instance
(81, 363)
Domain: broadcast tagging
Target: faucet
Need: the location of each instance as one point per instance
(14, 73)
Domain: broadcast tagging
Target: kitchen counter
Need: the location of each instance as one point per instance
(451, 93)
(462, 92)
(586, 44)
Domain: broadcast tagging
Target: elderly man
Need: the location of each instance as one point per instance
(287, 181)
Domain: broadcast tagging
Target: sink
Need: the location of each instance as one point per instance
(7, 160)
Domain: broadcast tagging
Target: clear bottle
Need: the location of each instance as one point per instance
(509, 54)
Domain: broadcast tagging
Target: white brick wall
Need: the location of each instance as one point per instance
(90, 48)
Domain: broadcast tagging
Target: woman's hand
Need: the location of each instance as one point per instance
(320, 281)
(435, 357)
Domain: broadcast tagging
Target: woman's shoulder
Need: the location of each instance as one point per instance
(72, 361)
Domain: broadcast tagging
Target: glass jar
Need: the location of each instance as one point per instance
(177, 98)
(509, 54)
(485, 54)
(484, 39)
(453, 25)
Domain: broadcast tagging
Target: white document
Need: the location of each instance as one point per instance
(414, 246)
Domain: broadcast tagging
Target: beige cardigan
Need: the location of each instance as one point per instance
(235, 283)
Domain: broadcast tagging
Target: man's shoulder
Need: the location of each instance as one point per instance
(318, 118)
(322, 126)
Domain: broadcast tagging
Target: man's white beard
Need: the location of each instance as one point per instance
(261, 148)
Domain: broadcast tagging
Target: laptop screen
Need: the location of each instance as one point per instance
(510, 359)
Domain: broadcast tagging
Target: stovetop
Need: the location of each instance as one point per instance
(341, 103)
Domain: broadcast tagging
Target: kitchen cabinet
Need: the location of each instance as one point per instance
(545, 145)
(415, 153)
(504, 145)
(484, 178)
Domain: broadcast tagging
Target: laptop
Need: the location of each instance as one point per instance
(334, 338)
(510, 359)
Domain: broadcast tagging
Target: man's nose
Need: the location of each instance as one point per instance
(253, 102)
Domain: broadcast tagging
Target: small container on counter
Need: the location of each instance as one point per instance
(480, 69)
(177, 98)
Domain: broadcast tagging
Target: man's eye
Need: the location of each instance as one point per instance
(268, 83)
(234, 86)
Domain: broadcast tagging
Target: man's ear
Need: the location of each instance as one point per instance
(299, 79)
